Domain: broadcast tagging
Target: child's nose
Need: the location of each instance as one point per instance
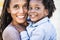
(33, 10)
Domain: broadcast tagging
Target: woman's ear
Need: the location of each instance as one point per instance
(8, 9)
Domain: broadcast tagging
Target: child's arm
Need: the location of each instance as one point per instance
(34, 36)
(24, 35)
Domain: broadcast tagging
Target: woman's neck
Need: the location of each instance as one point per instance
(25, 24)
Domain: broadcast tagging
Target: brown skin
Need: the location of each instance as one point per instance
(37, 10)
(18, 11)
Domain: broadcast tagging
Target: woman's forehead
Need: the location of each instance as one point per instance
(18, 0)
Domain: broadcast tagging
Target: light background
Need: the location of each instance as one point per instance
(55, 19)
(1, 4)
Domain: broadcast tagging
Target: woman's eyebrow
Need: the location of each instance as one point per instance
(26, 4)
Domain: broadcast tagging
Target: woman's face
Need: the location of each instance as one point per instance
(36, 10)
(18, 11)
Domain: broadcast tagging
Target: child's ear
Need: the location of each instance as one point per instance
(8, 9)
(46, 12)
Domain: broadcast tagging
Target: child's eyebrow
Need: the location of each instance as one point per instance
(35, 5)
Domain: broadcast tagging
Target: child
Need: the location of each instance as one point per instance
(41, 28)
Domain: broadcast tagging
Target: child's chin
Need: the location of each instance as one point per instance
(33, 20)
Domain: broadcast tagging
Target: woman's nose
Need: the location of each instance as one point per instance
(21, 10)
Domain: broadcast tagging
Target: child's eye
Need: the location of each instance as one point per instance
(30, 8)
(37, 8)
(16, 6)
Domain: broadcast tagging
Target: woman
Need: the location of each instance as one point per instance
(14, 15)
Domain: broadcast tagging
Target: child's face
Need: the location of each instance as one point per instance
(18, 10)
(37, 10)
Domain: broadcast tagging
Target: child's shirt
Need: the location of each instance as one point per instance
(42, 30)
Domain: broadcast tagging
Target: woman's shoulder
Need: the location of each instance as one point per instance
(10, 33)
(9, 29)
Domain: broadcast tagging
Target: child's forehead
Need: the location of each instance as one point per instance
(36, 3)
(35, 0)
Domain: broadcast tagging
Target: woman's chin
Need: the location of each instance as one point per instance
(21, 21)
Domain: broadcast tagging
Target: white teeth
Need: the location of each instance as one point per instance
(20, 16)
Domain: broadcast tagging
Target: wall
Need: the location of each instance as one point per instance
(56, 18)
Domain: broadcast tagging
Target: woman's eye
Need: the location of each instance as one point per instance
(16, 6)
(37, 8)
(30, 8)
(25, 6)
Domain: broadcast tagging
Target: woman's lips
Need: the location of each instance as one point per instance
(20, 17)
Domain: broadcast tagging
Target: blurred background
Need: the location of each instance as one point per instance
(55, 19)
(1, 4)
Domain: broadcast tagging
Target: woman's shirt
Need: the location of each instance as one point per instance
(10, 33)
(42, 30)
